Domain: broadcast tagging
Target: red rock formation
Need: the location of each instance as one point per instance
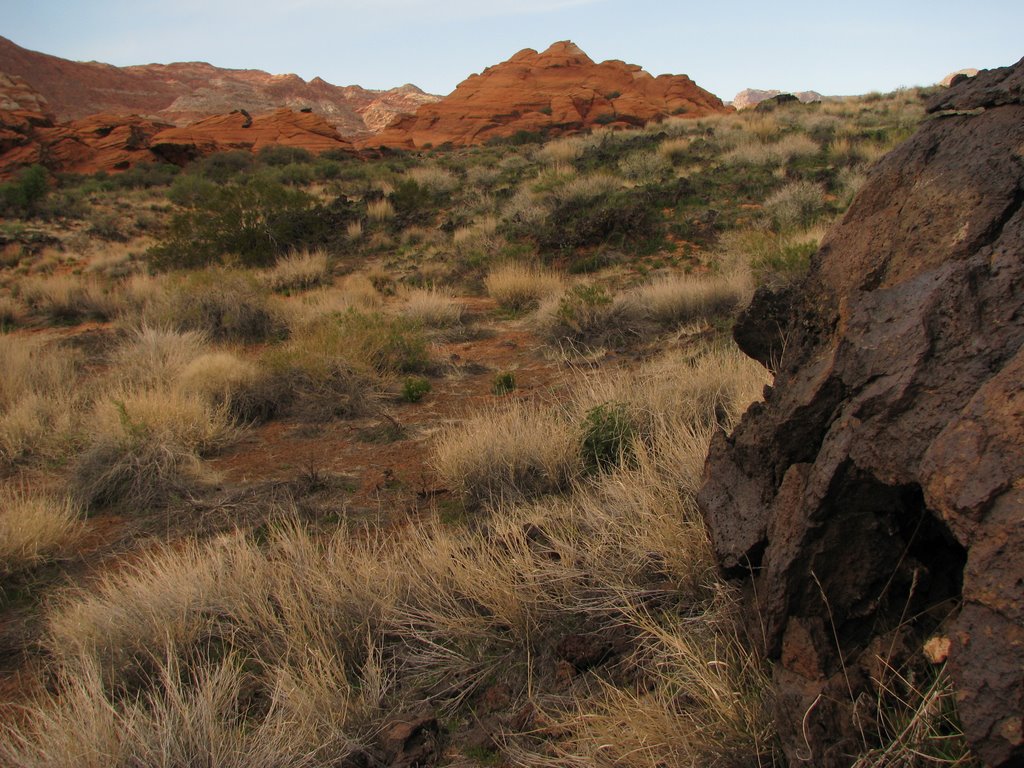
(877, 496)
(97, 143)
(185, 92)
(238, 130)
(558, 91)
(113, 143)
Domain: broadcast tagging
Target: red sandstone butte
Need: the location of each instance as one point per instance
(561, 90)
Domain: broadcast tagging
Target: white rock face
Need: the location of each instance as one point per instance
(752, 97)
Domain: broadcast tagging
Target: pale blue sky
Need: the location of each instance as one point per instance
(725, 46)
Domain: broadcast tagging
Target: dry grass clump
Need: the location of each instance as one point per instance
(673, 148)
(298, 271)
(564, 150)
(38, 398)
(798, 204)
(518, 286)
(645, 166)
(11, 312)
(34, 528)
(520, 450)
(67, 298)
(432, 307)
(225, 380)
(434, 178)
(146, 444)
(153, 356)
(751, 150)
(380, 210)
(676, 299)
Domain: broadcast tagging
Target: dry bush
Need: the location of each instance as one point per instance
(68, 298)
(223, 304)
(298, 271)
(520, 450)
(518, 286)
(34, 528)
(432, 307)
(38, 398)
(588, 187)
(354, 230)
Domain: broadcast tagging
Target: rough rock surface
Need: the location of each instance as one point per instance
(18, 95)
(558, 91)
(751, 97)
(185, 92)
(239, 130)
(876, 497)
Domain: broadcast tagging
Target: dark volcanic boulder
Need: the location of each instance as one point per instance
(876, 497)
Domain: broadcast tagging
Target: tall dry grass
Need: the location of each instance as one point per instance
(39, 398)
(518, 286)
(35, 527)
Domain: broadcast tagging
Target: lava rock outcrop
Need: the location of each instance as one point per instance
(561, 90)
(876, 497)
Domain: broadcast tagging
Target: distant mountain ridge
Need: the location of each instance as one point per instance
(184, 92)
(751, 97)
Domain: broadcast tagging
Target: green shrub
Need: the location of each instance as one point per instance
(279, 155)
(25, 195)
(414, 388)
(223, 166)
(608, 433)
(251, 224)
(504, 383)
(226, 306)
(618, 217)
(583, 308)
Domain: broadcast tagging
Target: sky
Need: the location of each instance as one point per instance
(725, 46)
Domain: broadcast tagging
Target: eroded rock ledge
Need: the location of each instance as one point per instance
(876, 498)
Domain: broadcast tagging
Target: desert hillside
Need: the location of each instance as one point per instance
(688, 438)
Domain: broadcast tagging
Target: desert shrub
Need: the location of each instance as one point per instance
(434, 178)
(146, 176)
(225, 305)
(222, 167)
(503, 383)
(582, 312)
(384, 344)
(645, 166)
(517, 286)
(798, 204)
(10, 313)
(415, 203)
(34, 527)
(298, 271)
(414, 388)
(279, 155)
(25, 195)
(252, 223)
(189, 189)
(313, 375)
(618, 217)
